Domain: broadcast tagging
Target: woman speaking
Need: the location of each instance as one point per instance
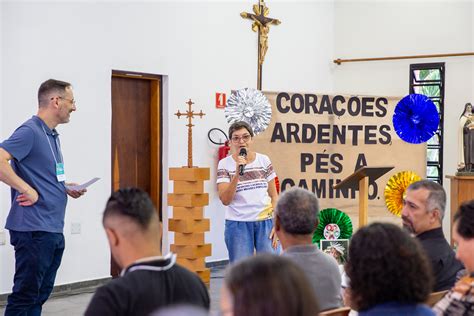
(246, 184)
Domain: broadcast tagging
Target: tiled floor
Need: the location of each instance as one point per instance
(75, 305)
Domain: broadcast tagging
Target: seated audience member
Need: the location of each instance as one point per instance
(388, 271)
(267, 285)
(296, 219)
(148, 281)
(460, 300)
(422, 215)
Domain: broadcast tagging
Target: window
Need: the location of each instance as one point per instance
(428, 79)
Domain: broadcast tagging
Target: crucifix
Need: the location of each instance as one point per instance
(190, 115)
(261, 24)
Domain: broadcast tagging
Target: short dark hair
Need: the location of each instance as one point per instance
(386, 264)
(436, 198)
(133, 203)
(239, 125)
(464, 218)
(298, 211)
(267, 284)
(51, 85)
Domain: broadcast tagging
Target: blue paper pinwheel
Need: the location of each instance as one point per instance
(415, 118)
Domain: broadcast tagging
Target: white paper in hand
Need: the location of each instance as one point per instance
(82, 186)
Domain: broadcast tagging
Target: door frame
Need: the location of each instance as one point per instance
(156, 140)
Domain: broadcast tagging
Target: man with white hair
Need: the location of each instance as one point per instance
(422, 215)
(296, 219)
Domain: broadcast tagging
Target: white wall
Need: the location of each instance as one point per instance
(392, 28)
(201, 48)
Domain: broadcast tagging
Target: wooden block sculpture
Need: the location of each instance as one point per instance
(188, 201)
(188, 222)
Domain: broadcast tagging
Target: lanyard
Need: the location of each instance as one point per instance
(51, 147)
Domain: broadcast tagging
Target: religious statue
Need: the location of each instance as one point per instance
(261, 24)
(466, 140)
(263, 43)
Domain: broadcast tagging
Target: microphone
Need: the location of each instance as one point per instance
(243, 153)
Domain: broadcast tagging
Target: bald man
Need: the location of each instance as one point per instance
(148, 280)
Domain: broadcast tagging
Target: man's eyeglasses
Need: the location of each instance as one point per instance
(70, 100)
(237, 139)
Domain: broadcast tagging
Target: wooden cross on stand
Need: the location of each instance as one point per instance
(190, 115)
(261, 24)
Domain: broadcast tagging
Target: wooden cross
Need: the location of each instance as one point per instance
(261, 24)
(190, 115)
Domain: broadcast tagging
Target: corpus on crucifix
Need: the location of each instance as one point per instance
(261, 24)
(190, 115)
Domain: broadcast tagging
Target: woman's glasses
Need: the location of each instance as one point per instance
(237, 139)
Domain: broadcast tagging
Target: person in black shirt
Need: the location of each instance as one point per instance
(422, 215)
(148, 281)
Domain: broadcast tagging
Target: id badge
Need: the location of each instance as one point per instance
(60, 175)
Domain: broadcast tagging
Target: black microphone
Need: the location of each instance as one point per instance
(243, 153)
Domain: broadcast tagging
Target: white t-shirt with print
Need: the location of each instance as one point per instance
(251, 200)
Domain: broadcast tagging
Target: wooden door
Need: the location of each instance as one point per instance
(136, 135)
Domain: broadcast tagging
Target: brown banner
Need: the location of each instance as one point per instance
(315, 141)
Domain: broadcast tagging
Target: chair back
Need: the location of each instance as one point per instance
(435, 297)
(341, 311)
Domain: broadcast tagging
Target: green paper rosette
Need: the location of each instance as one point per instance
(333, 224)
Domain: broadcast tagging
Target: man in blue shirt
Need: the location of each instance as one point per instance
(31, 163)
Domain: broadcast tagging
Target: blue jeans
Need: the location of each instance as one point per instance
(37, 258)
(242, 238)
